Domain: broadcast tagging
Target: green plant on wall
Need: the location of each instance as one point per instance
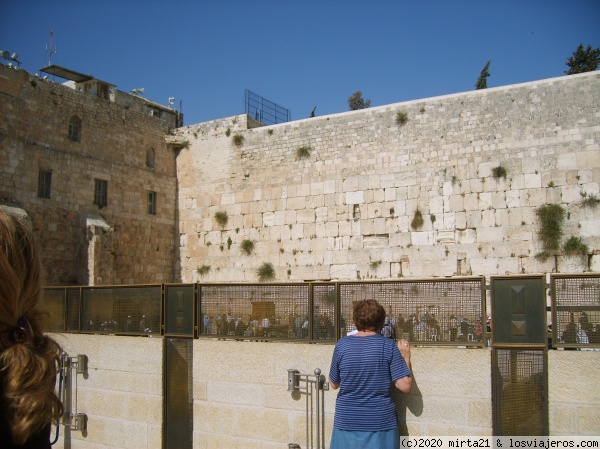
(499, 172)
(574, 246)
(417, 221)
(401, 118)
(265, 272)
(229, 242)
(589, 200)
(204, 269)
(228, 132)
(247, 246)
(550, 233)
(375, 264)
(238, 139)
(303, 152)
(221, 218)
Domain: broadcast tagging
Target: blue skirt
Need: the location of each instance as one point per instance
(352, 439)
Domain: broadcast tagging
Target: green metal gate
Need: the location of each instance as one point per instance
(519, 355)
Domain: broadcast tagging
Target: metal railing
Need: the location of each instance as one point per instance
(432, 311)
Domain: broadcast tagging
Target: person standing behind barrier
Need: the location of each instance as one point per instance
(29, 360)
(364, 367)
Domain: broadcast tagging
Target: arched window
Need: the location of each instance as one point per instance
(75, 129)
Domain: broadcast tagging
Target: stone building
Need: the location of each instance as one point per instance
(119, 193)
(90, 167)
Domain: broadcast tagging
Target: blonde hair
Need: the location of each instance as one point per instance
(27, 371)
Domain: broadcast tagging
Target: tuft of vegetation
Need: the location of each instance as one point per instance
(551, 217)
(228, 132)
(401, 118)
(417, 221)
(574, 246)
(238, 139)
(433, 218)
(499, 172)
(33, 83)
(590, 200)
(229, 242)
(204, 269)
(247, 246)
(303, 152)
(265, 272)
(375, 264)
(221, 218)
(270, 132)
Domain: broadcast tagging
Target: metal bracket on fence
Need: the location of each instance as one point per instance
(72, 419)
(314, 388)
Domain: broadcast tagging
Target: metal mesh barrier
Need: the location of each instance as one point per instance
(123, 309)
(254, 312)
(54, 304)
(576, 310)
(73, 309)
(442, 311)
(323, 316)
(178, 411)
(520, 386)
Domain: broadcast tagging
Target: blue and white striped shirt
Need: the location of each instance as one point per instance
(365, 368)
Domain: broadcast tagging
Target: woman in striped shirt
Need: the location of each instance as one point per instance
(363, 367)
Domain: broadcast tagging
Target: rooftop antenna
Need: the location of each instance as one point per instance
(51, 49)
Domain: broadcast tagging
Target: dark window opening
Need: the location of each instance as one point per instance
(44, 183)
(101, 193)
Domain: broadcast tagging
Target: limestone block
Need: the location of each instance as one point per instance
(422, 238)
(354, 197)
(587, 159)
(347, 271)
(268, 218)
(485, 201)
(490, 235)
(532, 180)
(488, 219)
(484, 267)
(456, 203)
(305, 216)
(350, 185)
(570, 193)
(471, 202)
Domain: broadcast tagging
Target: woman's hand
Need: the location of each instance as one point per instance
(404, 347)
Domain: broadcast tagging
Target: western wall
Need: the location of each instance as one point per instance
(336, 197)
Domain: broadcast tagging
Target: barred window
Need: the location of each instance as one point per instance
(152, 203)
(75, 129)
(44, 183)
(101, 193)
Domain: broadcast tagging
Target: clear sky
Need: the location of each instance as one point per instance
(299, 54)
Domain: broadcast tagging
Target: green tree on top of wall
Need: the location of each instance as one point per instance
(583, 60)
(482, 80)
(356, 101)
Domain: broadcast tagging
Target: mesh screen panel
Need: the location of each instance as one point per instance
(254, 311)
(178, 393)
(576, 310)
(122, 309)
(73, 309)
(324, 319)
(179, 310)
(520, 389)
(54, 304)
(423, 311)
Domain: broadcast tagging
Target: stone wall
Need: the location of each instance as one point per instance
(240, 397)
(122, 393)
(346, 210)
(83, 243)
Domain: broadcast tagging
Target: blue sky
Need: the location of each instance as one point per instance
(299, 54)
